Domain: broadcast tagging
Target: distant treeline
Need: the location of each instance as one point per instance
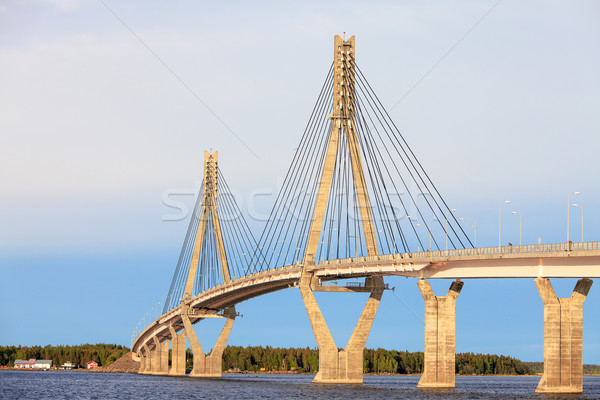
(588, 369)
(274, 359)
(103, 354)
(260, 358)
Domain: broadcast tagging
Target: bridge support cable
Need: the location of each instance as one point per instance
(416, 170)
(284, 236)
(175, 293)
(354, 169)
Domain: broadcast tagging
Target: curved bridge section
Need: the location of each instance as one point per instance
(574, 260)
(354, 203)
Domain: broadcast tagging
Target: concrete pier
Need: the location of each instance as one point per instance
(563, 338)
(208, 365)
(178, 348)
(440, 336)
(340, 366)
(142, 358)
(147, 360)
(160, 357)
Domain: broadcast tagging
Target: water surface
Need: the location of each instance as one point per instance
(82, 385)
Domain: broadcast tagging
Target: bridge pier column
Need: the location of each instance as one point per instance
(142, 357)
(208, 365)
(178, 349)
(440, 336)
(164, 357)
(340, 366)
(147, 360)
(160, 357)
(563, 338)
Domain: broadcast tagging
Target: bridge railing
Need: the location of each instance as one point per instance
(473, 252)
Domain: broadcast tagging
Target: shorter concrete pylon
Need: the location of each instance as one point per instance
(563, 338)
(440, 336)
(208, 365)
(340, 366)
(178, 348)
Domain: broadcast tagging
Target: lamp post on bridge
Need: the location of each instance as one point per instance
(235, 260)
(396, 229)
(568, 211)
(500, 222)
(429, 231)
(520, 226)
(323, 249)
(474, 226)
(297, 243)
(447, 211)
(273, 255)
(580, 206)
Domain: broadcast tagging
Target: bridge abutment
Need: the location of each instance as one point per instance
(340, 366)
(563, 338)
(208, 365)
(178, 348)
(440, 336)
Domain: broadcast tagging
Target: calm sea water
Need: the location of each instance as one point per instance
(81, 385)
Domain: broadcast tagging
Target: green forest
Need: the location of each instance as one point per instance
(268, 359)
(103, 354)
(274, 359)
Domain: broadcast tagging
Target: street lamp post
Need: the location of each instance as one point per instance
(580, 206)
(396, 229)
(273, 255)
(235, 260)
(568, 210)
(520, 226)
(428, 230)
(447, 211)
(474, 226)
(500, 222)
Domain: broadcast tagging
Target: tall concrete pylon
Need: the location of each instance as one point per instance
(341, 366)
(204, 365)
(209, 211)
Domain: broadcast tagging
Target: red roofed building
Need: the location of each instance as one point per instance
(91, 365)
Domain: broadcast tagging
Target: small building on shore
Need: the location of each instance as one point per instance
(91, 365)
(67, 366)
(42, 364)
(33, 364)
(24, 364)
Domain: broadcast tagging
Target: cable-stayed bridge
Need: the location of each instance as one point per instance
(355, 203)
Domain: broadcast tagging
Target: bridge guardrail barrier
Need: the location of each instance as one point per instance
(475, 251)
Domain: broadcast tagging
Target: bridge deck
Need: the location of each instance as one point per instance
(567, 260)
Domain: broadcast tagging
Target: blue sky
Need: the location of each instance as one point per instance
(95, 131)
